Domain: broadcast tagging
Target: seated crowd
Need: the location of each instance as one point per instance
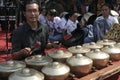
(66, 26)
(43, 29)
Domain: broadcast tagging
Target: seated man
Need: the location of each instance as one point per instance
(103, 23)
(32, 37)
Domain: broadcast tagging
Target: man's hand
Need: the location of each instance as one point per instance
(26, 51)
(22, 53)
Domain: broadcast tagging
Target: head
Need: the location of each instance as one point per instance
(105, 10)
(51, 14)
(73, 15)
(31, 11)
(43, 11)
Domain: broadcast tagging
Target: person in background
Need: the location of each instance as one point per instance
(32, 37)
(42, 16)
(53, 22)
(74, 34)
(72, 22)
(64, 19)
(81, 21)
(103, 23)
(88, 27)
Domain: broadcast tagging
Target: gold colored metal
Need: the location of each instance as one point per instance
(113, 33)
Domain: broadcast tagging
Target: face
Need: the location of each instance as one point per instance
(31, 13)
(74, 17)
(44, 12)
(49, 17)
(105, 11)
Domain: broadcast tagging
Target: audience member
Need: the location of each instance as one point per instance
(103, 22)
(53, 22)
(72, 22)
(88, 27)
(42, 16)
(74, 34)
(64, 19)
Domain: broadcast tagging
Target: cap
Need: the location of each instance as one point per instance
(114, 13)
(87, 15)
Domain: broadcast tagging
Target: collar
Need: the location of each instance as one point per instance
(106, 18)
(28, 28)
(72, 21)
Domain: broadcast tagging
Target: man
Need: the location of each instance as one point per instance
(104, 22)
(32, 37)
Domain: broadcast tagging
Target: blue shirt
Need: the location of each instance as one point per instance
(102, 25)
(88, 34)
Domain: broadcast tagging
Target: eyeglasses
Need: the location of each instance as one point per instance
(32, 10)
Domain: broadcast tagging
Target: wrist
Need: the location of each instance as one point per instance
(17, 55)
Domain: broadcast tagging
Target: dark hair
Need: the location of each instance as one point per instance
(91, 19)
(29, 2)
(79, 18)
(71, 12)
(67, 16)
(43, 8)
(52, 12)
(106, 4)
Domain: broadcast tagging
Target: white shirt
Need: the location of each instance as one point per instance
(56, 24)
(63, 23)
(71, 26)
(110, 20)
(42, 19)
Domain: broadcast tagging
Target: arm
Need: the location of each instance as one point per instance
(21, 54)
(18, 52)
(16, 41)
